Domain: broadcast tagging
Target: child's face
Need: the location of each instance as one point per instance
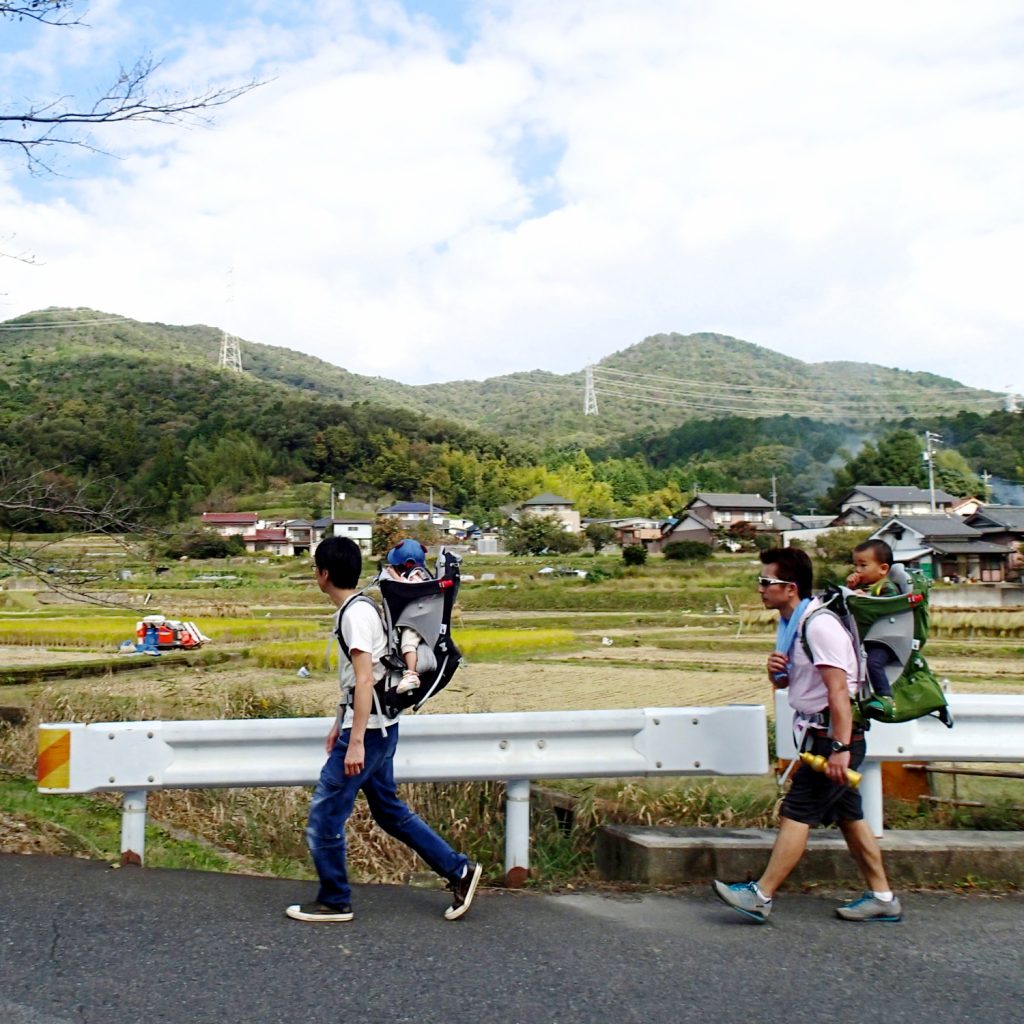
(868, 567)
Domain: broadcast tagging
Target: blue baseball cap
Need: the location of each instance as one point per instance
(408, 550)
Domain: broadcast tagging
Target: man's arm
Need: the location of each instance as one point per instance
(362, 703)
(840, 718)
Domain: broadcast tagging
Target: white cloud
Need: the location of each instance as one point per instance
(832, 183)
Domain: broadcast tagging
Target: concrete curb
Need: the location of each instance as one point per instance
(673, 856)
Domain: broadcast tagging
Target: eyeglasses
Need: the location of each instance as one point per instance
(767, 581)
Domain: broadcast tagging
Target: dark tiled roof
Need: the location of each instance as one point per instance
(969, 547)
(991, 517)
(933, 526)
(731, 500)
(406, 508)
(886, 495)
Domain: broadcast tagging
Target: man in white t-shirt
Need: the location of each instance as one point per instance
(820, 687)
(360, 756)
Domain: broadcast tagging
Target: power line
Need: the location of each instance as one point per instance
(610, 373)
(65, 323)
(636, 391)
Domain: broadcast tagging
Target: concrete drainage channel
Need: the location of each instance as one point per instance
(677, 856)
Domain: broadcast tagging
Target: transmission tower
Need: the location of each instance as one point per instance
(230, 353)
(589, 394)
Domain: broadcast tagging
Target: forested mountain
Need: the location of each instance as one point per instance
(654, 385)
(145, 406)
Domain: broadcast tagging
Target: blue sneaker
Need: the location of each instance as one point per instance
(743, 896)
(870, 908)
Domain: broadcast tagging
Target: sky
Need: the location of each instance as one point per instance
(440, 190)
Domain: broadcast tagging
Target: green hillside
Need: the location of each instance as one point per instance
(143, 408)
(654, 385)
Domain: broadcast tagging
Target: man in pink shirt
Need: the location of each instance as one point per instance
(821, 677)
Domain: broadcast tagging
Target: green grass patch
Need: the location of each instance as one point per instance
(92, 826)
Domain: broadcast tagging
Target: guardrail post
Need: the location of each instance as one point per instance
(871, 795)
(517, 832)
(133, 827)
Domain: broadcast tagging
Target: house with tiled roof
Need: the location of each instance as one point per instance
(548, 504)
(359, 530)
(1003, 524)
(885, 502)
(725, 510)
(231, 524)
(945, 547)
(410, 512)
(272, 540)
(683, 527)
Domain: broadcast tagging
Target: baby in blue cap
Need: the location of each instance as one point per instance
(407, 563)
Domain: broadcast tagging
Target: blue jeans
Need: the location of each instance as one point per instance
(878, 656)
(334, 798)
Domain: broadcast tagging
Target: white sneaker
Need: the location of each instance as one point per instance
(409, 681)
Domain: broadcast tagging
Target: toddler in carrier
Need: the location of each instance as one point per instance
(407, 564)
(871, 563)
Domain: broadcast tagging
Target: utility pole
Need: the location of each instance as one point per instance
(341, 497)
(929, 455)
(775, 497)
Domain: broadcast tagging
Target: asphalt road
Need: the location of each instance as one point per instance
(80, 942)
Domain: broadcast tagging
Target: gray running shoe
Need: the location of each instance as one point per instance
(742, 896)
(870, 908)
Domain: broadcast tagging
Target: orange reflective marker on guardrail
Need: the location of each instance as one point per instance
(53, 764)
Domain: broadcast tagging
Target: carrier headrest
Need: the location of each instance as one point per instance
(898, 575)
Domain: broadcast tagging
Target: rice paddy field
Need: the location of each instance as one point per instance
(665, 634)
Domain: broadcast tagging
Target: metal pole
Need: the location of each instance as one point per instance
(871, 795)
(133, 827)
(517, 832)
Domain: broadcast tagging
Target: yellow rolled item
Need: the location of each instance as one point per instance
(819, 764)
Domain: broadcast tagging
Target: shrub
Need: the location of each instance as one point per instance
(600, 535)
(634, 554)
(204, 544)
(687, 551)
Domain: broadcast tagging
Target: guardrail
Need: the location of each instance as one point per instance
(987, 727)
(135, 757)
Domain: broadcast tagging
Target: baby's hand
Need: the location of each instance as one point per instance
(853, 579)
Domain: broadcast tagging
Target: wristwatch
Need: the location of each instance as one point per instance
(839, 748)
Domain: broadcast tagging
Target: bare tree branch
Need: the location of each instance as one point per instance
(51, 124)
(28, 496)
(41, 493)
(49, 12)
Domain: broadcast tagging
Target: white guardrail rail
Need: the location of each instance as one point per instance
(134, 757)
(986, 727)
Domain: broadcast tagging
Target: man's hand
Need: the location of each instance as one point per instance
(355, 757)
(332, 736)
(836, 767)
(778, 665)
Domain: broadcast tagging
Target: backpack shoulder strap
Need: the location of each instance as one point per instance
(341, 613)
(804, 641)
